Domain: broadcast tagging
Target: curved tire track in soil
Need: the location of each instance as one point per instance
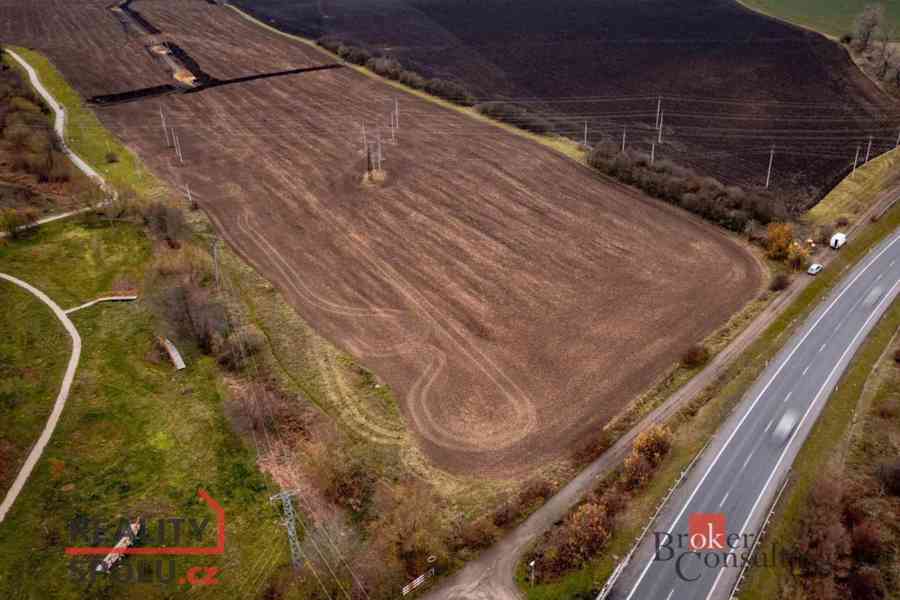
(523, 419)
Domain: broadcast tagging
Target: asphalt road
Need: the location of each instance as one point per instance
(740, 473)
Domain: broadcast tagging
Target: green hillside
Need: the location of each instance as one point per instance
(832, 17)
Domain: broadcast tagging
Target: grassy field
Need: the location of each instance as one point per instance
(831, 17)
(716, 402)
(822, 449)
(854, 195)
(135, 438)
(34, 349)
(85, 135)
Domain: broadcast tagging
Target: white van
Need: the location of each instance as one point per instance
(838, 240)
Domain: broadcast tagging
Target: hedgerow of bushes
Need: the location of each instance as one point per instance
(392, 69)
(575, 541)
(731, 207)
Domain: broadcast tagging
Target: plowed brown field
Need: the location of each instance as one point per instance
(513, 300)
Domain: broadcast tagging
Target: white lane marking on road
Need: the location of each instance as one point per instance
(670, 594)
(769, 425)
(807, 368)
(816, 398)
(724, 498)
(747, 460)
(822, 347)
(755, 402)
(879, 276)
(788, 397)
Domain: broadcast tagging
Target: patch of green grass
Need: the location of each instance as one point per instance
(74, 264)
(715, 404)
(812, 461)
(831, 17)
(85, 135)
(34, 350)
(136, 438)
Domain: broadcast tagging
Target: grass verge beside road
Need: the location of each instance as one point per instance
(697, 423)
(855, 194)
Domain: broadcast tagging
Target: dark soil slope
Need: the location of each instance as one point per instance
(734, 82)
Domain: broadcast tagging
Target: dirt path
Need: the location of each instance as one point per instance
(59, 124)
(38, 449)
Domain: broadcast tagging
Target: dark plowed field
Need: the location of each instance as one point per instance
(513, 300)
(734, 82)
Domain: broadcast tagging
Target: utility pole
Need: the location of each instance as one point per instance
(624, 129)
(365, 139)
(585, 134)
(397, 113)
(869, 149)
(662, 115)
(658, 109)
(177, 146)
(769, 173)
(855, 161)
(162, 118)
(652, 154)
(290, 523)
(215, 253)
(394, 128)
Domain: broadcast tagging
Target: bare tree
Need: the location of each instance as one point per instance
(884, 36)
(867, 23)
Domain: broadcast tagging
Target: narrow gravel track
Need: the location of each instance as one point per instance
(59, 126)
(58, 406)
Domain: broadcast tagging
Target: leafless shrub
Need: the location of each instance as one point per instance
(16, 223)
(889, 475)
(866, 583)
(695, 356)
(780, 282)
(868, 545)
(165, 222)
(239, 347)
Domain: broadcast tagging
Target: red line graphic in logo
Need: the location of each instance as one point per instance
(219, 548)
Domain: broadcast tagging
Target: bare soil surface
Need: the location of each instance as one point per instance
(514, 301)
(733, 82)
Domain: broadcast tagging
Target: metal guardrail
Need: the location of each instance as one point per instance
(614, 577)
